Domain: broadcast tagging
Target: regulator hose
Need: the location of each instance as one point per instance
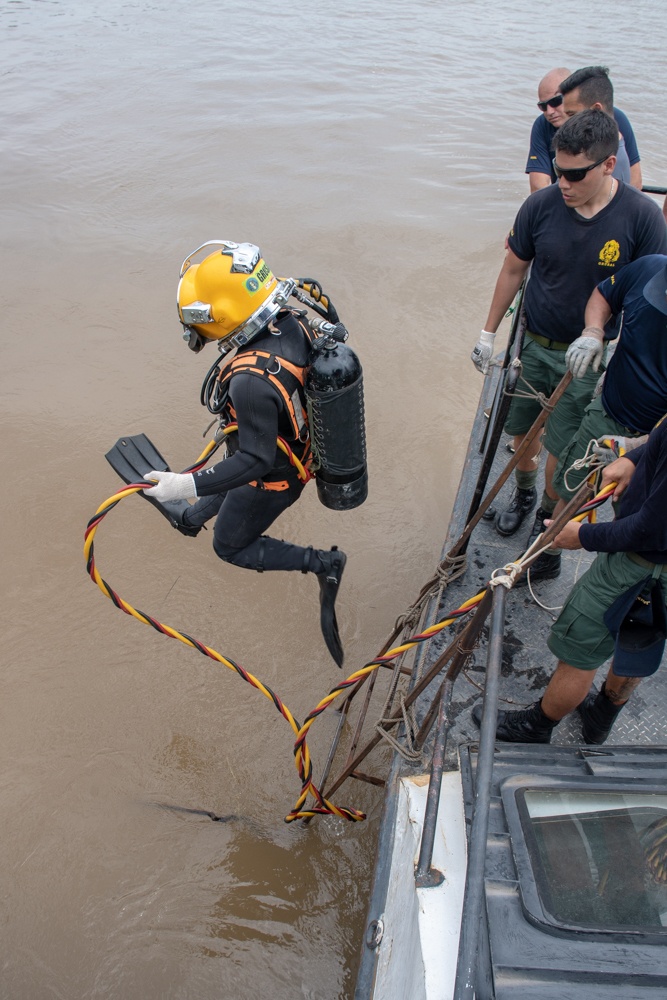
(315, 298)
(212, 396)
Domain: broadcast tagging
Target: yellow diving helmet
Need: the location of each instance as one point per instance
(230, 296)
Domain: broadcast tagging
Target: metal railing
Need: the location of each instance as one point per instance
(464, 986)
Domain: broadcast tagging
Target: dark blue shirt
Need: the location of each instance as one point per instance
(635, 386)
(571, 255)
(541, 154)
(641, 524)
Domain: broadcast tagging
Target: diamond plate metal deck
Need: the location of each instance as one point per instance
(527, 662)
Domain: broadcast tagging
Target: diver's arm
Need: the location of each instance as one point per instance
(256, 405)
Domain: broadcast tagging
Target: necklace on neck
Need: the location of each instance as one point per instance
(611, 191)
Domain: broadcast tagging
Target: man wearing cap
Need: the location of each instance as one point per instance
(574, 234)
(615, 609)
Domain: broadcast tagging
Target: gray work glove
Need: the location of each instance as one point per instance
(585, 350)
(483, 352)
(610, 447)
(171, 486)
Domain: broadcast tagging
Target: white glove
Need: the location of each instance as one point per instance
(610, 447)
(583, 351)
(483, 352)
(171, 486)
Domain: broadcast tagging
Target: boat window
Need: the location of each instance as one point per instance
(598, 857)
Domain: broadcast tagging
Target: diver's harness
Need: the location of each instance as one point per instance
(288, 380)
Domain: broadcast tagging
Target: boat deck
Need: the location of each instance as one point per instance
(527, 661)
(412, 945)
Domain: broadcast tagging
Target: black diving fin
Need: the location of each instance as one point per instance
(134, 457)
(329, 581)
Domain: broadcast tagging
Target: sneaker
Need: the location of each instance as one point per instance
(522, 502)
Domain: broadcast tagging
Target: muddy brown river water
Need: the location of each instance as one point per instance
(377, 146)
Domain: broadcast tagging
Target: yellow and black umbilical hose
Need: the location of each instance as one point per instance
(302, 757)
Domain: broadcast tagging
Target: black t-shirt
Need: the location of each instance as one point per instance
(261, 416)
(572, 255)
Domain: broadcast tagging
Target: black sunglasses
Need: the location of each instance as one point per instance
(578, 174)
(553, 102)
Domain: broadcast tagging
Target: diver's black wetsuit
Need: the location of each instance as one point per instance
(244, 512)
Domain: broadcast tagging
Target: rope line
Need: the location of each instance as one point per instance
(530, 393)
(302, 758)
(408, 751)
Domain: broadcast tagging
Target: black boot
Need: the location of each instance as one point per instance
(598, 714)
(546, 567)
(329, 581)
(539, 526)
(522, 502)
(528, 725)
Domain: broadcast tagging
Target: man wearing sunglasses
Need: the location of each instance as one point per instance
(571, 235)
(591, 87)
(556, 108)
(550, 103)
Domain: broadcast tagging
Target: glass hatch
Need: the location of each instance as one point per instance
(598, 857)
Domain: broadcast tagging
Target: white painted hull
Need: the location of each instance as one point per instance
(419, 946)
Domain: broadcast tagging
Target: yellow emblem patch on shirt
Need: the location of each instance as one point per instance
(610, 253)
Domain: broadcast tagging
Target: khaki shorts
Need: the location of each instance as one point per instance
(543, 369)
(579, 636)
(596, 424)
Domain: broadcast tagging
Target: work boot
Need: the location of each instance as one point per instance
(522, 502)
(539, 526)
(527, 725)
(598, 715)
(546, 567)
(329, 581)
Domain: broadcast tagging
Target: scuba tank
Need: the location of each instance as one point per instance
(335, 403)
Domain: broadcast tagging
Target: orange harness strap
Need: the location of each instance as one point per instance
(251, 362)
(261, 485)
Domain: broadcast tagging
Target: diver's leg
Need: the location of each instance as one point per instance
(245, 514)
(238, 538)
